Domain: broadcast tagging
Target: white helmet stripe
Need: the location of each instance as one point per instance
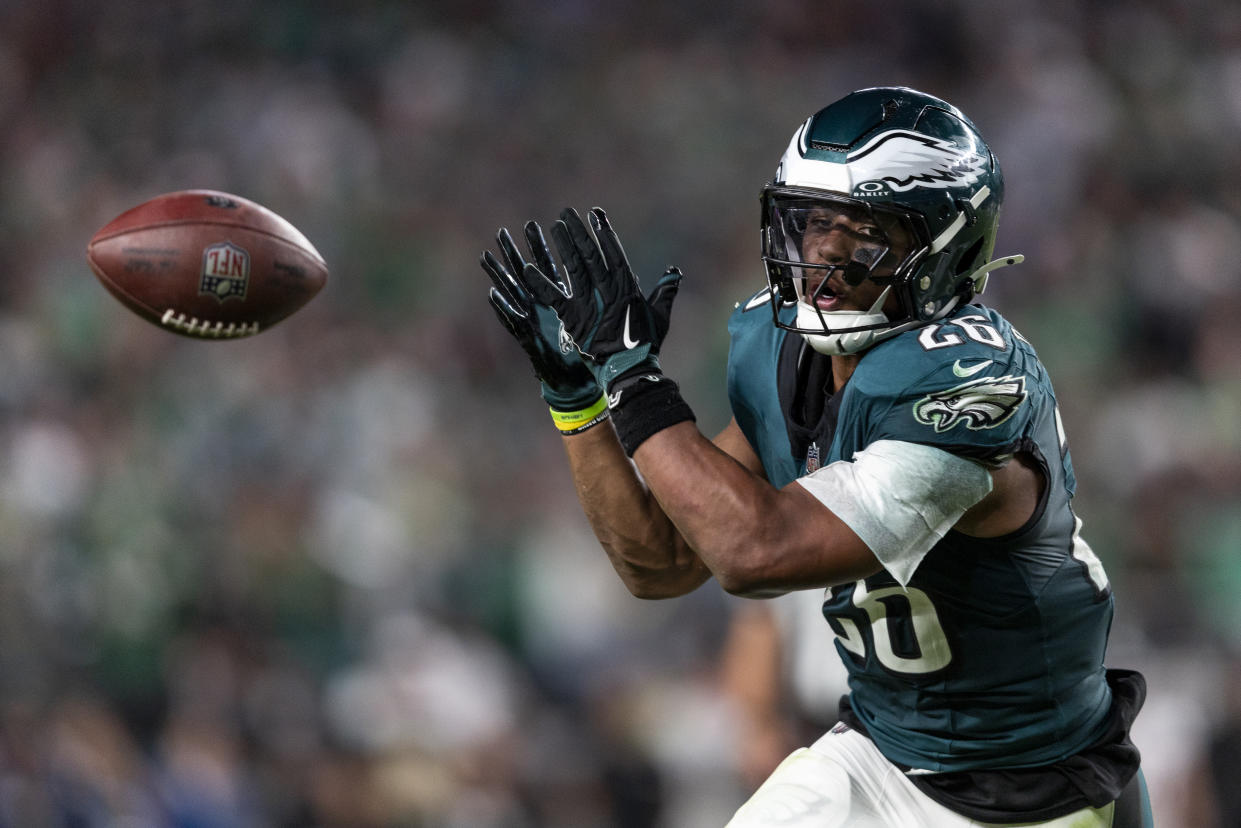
(941, 241)
(802, 144)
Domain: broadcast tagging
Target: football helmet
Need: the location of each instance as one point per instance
(910, 194)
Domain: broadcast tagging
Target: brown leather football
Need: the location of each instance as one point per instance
(206, 264)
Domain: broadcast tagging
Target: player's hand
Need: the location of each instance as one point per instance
(568, 384)
(615, 327)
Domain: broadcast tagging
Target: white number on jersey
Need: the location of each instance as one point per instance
(933, 650)
(975, 326)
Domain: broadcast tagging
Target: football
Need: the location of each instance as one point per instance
(206, 264)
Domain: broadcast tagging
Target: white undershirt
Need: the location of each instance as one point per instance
(900, 498)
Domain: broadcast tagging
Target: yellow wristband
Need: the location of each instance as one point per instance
(571, 422)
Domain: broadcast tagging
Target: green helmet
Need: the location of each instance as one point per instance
(928, 188)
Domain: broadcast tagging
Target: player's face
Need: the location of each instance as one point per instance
(854, 240)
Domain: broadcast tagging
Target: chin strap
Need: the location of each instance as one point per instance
(979, 276)
(849, 341)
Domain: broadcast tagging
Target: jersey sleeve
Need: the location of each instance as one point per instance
(899, 498)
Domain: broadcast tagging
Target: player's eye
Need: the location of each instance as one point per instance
(868, 256)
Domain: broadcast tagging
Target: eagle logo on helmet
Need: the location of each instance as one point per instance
(981, 403)
(901, 160)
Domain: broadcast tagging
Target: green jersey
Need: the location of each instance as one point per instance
(992, 655)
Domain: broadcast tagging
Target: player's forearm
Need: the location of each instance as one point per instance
(708, 495)
(758, 541)
(643, 545)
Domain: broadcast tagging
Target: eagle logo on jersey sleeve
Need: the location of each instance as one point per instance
(978, 404)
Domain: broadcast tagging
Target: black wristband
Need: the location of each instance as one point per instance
(644, 404)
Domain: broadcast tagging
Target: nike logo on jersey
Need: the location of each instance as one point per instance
(964, 372)
(626, 340)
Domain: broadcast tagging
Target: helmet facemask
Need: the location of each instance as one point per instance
(817, 244)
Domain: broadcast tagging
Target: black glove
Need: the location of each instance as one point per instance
(617, 330)
(568, 384)
(614, 326)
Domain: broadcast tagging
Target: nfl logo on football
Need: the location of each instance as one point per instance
(226, 271)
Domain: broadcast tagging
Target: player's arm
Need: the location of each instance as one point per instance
(645, 547)
(647, 551)
(883, 509)
(886, 508)
(757, 540)
(696, 507)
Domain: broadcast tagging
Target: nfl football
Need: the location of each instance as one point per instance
(206, 264)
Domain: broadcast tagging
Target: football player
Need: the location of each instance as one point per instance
(893, 442)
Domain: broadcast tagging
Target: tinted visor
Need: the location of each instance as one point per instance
(807, 234)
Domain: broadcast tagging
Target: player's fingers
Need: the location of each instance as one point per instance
(540, 251)
(609, 244)
(576, 279)
(660, 302)
(512, 319)
(511, 254)
(502, 279)
(544, 291)
(587, 249)
(665, 292)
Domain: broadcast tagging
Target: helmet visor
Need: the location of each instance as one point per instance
(809, 234)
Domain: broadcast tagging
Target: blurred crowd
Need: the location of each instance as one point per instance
(335, 574)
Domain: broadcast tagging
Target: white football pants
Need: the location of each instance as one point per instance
(843, 780)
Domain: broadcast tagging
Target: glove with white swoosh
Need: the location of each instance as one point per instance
(617, 330)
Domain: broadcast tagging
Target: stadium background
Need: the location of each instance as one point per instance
(335, 574)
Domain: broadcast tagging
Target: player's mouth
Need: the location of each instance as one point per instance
(823, 297)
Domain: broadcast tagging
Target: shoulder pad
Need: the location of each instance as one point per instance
(758, 300)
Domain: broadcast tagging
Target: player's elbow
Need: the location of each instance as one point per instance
(747, 584)
(652, 590)
(652, 585)
(747, 568)
(767, 562)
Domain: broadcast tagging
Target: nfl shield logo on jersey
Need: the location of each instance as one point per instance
(226, 271)
(812, 458)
